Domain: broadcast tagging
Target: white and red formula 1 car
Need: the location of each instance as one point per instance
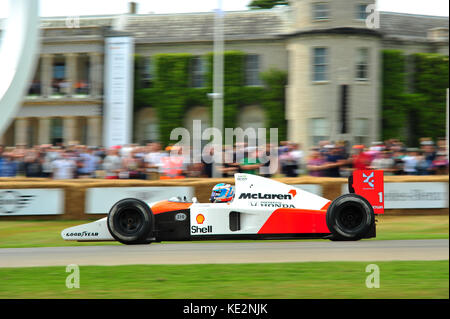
(261, 209)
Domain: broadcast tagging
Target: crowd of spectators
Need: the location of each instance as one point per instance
(338, 160)
(151, 161)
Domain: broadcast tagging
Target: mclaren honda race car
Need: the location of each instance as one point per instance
(262, 208)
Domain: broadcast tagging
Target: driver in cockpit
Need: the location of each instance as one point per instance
(222, 193)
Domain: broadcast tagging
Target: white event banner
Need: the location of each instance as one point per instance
(31, 201)
(118, 95)
(99, 200)
(415, 195)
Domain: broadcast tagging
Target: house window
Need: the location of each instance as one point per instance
(319, 129)
(320, 11)
(320, 64)
(361, 13)
(252, 70)
(198, 72)
(59, 71)
(362, 64)
(361, 131)
(147, 72)
(56, 130)
(151, 132)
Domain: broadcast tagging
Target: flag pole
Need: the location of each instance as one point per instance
(218, 67)
(447, 127)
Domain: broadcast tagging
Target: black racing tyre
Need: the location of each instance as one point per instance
(130, 221)
(349, 217)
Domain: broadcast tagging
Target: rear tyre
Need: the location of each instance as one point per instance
(130, 221)
(349, 217)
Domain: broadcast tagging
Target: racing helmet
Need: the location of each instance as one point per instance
(222, 193)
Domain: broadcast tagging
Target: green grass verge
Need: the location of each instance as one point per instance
(412, 227)
(18, 234)
(399, 279)
(38, 233)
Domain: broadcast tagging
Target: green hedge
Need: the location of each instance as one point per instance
(274, 101)
(431, 81)
(171, 93)
(393, 107)
(411, 113)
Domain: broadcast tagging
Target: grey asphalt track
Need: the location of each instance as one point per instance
(232, 252)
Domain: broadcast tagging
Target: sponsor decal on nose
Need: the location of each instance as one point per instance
(368, 179)
(200, 219)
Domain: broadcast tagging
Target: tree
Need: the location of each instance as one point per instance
(267, 4)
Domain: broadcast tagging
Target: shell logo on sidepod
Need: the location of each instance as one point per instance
(200, 219)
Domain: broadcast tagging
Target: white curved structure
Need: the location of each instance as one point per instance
(18, 52)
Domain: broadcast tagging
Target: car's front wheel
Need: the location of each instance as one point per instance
(350, 217)
(130, 221)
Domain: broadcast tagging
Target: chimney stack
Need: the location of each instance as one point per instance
(132, 7)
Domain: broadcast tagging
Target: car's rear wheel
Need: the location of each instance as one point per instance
(130, 221)
(349, 217)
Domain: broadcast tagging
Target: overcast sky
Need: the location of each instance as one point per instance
(95, 7)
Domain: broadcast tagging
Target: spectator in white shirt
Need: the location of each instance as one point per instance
(153, 160)
(384, 162)
(112, 163)
(63, 167)
(410, 162)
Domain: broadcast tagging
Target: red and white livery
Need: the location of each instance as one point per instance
(261, 209)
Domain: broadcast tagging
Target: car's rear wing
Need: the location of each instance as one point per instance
(370, 185)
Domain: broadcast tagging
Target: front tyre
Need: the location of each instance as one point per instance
(130, 221)
(350, 217)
